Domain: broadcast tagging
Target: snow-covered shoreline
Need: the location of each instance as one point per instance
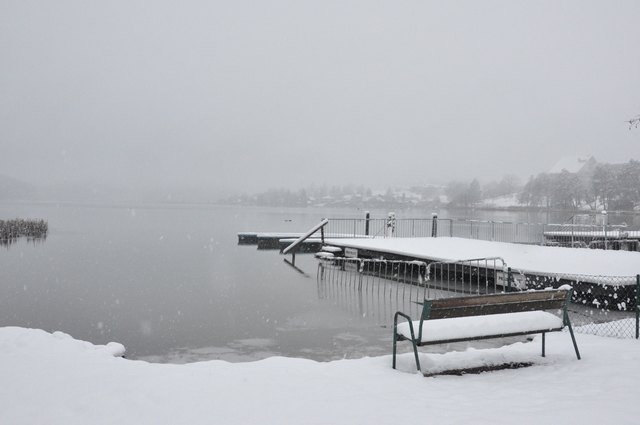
(53, 378)
(520, 257)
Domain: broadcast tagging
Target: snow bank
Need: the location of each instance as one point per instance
(525, 258)
(52, 378)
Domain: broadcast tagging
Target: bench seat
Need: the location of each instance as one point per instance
(477, 327)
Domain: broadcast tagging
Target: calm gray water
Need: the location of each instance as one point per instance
(172, 285)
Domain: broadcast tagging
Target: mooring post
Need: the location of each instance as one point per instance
(434, 225)
(322, 234)
(367, 217)
(509, 279)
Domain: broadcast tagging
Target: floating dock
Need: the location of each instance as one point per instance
(265, 240)
(279, 241)
(619, 240)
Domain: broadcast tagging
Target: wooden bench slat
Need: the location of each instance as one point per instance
(560, 295)
(485, 309)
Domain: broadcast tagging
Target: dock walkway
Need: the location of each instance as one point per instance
(531, 259)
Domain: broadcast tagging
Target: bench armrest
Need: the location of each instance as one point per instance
(395, 324)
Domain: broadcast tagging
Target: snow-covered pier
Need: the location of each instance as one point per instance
(520, 257)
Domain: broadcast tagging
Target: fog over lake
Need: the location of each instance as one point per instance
(197, 99)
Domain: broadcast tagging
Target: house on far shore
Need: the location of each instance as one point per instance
(582, 166)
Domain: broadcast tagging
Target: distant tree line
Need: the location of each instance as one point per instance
(608, 186)
(303, 197)
(462, 194)
(597, 186)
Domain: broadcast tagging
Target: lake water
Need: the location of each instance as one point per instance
(172, 284)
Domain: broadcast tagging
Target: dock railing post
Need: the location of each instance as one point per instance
(434, 225)
(573, 226)
(367, 217)
(604, 228)
(391, 224)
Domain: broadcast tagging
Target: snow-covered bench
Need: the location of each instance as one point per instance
(450, 320)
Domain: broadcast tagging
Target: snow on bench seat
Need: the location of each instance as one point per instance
(480, 326)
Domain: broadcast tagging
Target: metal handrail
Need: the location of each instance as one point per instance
(304, 237)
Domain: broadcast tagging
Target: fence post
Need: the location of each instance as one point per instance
(434, 225)
(367, 216)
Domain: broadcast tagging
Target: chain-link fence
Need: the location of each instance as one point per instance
(602, 305)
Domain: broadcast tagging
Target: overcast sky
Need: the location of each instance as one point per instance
(245, 95)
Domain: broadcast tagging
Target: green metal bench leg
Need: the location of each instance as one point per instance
(395, 343)
(543, 338)
(395, 338)
(415, 353)
(573, 338)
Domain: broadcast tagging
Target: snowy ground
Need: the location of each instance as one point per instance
(54, 379)
(525, 258)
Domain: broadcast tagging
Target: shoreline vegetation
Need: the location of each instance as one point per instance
(11, 230)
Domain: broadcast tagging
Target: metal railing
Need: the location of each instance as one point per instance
(380, 227)
(379, 288)
(566, 235)
(488, 230)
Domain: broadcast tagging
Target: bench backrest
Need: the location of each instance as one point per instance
(481, 305)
